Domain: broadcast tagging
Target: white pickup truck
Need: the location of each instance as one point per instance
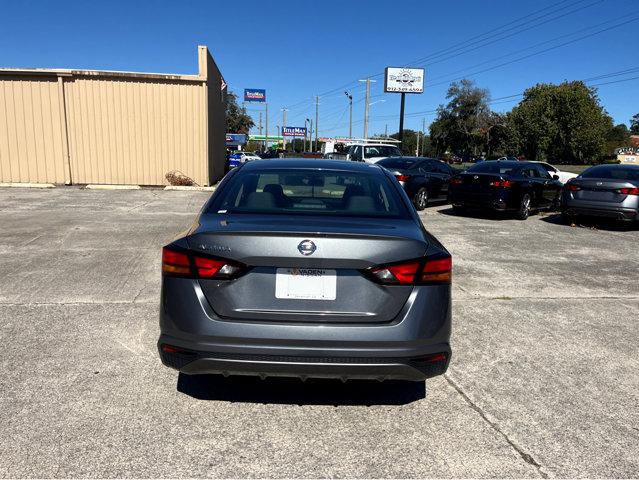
(371, 152)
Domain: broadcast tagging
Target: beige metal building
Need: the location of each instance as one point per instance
(79, 126)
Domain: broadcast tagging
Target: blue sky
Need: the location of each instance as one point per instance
(296, 50)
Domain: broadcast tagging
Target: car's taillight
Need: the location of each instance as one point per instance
(402, 177)
(187, 264)
(455, 181)
(215, 268)
(502, 183)
(571, 187)
(629, 191)
(175, 263)
(437, 270)
(401, 274)
(423, 271)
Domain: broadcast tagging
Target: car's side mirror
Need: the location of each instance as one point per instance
(555, 177)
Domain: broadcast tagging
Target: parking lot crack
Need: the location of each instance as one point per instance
(526, 457)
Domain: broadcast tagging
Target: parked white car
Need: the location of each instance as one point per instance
(372, 152)
(563, 176)
(248, 157)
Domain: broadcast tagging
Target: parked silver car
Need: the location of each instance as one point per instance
(610, 191)
(307, 268)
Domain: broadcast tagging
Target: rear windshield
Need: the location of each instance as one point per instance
(381, 151)
(311, 192)
(494, 167)
(612, 171)
(401, 163)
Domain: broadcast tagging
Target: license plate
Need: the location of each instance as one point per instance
(306, 283)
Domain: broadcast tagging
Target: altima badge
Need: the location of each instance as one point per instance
(306, 247)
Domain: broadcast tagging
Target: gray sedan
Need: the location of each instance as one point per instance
(307, 268)
(609, 191)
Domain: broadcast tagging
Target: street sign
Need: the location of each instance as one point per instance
(294, 131)
(254, 95)
(235, 139)
(404, 80)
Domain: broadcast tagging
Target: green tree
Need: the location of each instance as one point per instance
(461, 124)
(634, 124)
(565, 123)
(409, 142)
(237, 120)
(617, 136)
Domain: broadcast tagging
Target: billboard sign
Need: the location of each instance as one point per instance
(404, 80)
(254, 95)
(235, 139)
(294, 131)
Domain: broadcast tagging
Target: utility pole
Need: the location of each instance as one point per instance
(417, 149)
(316, 121)
(366, 105)
(305, 133)
(310, 136)
(284, 110)
(386, 130)
(350, 114)
(423, 135)
(266, 131)
(260, 124)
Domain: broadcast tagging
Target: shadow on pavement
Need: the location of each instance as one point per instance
(482, 214)
(293, 391)
(592, 223)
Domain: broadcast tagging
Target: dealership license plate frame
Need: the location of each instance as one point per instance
(305, 284)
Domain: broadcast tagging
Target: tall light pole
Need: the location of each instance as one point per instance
(266, 126)
(350, 114)
(305, 132)
(367, 111)
(366, 105)
(284, 110)
(316, 120)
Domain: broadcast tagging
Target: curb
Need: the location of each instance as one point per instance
(113, 187)
(27, 185)
(190, 189)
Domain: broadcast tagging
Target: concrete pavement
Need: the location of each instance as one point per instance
(543, 382)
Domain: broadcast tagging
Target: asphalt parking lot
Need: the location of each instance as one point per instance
(544, 380)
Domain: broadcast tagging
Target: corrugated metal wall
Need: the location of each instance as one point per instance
(134, 132)
(109, 127)
(32, 140)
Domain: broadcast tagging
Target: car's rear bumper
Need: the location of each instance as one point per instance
(323, 365)
(600, 209)
(401, 349)
(483, 202)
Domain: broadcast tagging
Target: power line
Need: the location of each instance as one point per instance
(536, 53)
(471, 39)
(531, 47)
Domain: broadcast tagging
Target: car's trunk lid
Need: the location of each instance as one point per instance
(269, 246)
(600, 190)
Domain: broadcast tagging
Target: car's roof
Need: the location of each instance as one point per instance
(617, 165)
(311, 163)
(510, 163)
(372, 145)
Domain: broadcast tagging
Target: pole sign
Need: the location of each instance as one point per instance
(404, 80)
(235, 139)
(294, 131)
(254, 95)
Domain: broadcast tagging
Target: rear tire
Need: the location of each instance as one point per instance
(459, 209)
(420, 199)
(524, 207)
(569, 219)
